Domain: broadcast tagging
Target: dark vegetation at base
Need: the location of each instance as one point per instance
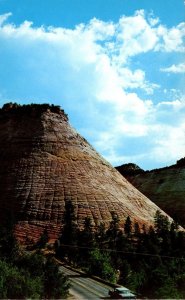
(26, 275)
(151, 263)
(13, 109)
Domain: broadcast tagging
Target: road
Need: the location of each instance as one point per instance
(83, 287)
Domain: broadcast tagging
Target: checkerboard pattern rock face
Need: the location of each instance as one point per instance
(45, 162)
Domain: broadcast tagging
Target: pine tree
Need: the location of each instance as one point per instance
(113, 236)
(100, 235)
(56, 284)
(128, 226)
(68, 239)
(8, 243)
(113, 231)
(137, 231)
(162, 224)
(44, 238)
(86, 241)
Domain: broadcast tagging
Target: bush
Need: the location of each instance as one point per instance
(56, 284)
(168, 290)
(100, 265)
(18, 284)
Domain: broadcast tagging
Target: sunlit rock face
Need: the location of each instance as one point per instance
(45, 162)
(165, 187)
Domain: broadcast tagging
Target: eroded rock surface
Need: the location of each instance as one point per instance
(165, 187)
(45, 162)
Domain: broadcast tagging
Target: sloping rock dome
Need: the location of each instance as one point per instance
(45, 162)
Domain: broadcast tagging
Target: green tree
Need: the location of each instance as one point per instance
(136, 280)
(31, 262)
(113, 232)
(8, 243)
(100, 235)
(113, 236)
(128, 226)
(69, 236)
(137, 231)
(24, 275)
(161, 224)
(56, 284)
(18, 284)
(100, 265)
(168, 290)
(43, 240)
(125, 270)
(86, 241)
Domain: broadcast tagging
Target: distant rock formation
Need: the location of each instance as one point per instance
(45, 162)
(165, 187)
(129, 169)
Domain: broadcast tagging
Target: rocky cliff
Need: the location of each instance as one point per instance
(165, 186)
(45, 162)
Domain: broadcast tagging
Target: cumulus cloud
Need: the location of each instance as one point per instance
(180, 68)
(88, 70)
(169, 142)
(135, 35)
(171, 40)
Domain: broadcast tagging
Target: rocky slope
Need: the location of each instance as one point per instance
(45, 162)
(165, 186)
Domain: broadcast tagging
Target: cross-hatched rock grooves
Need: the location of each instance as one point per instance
(45, 162)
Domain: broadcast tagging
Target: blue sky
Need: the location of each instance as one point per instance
(116, 67)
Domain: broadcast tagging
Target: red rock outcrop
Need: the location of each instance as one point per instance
(45, 162)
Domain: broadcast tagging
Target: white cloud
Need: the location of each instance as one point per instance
(175, 105)
(171, 40)
(4, 17)
(180, 68)
(136, 34)
(89, 71)
(136, 80)
(169, 143)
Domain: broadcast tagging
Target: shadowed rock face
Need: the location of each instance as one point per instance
(165, 187)
(45, 162)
